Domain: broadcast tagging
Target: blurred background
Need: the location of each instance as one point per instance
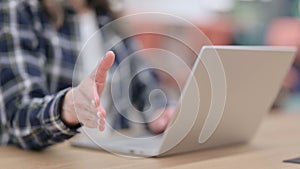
(224, 22)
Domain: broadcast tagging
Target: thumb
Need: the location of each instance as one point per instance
(99, 74)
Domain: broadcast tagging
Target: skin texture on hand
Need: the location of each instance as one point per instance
(82, 103)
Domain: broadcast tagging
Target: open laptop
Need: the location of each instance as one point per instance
(225, 98)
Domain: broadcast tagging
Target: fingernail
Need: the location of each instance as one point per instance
(101, 128)
(108, 52)
(98, 122)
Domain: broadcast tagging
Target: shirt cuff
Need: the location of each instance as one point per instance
(52, 119)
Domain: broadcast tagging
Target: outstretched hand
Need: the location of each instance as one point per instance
(82, 103)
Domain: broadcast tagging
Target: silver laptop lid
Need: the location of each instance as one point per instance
(226, 96)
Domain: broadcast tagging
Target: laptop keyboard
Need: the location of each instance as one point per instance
(145, 142)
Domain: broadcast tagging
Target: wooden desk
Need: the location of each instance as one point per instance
(278, 139)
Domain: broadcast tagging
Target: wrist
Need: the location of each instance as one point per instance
(68, 114)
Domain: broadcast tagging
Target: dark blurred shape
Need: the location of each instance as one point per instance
(285, 31)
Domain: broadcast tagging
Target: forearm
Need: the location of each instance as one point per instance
(30, 116)
(38, 124)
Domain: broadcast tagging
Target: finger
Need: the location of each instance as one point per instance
(159, 125)
(101, 121)
(99, 75)
(101, 115)
(104, 65)
(158, 114)
(101, 124)
(101, 112)
(101, 127)
(86, 109)
(170, 113)
(100, 72)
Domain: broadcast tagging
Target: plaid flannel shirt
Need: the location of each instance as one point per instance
(36, 69)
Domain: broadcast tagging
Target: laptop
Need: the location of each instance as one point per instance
(228, 92)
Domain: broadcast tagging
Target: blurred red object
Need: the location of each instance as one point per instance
(285, 31)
